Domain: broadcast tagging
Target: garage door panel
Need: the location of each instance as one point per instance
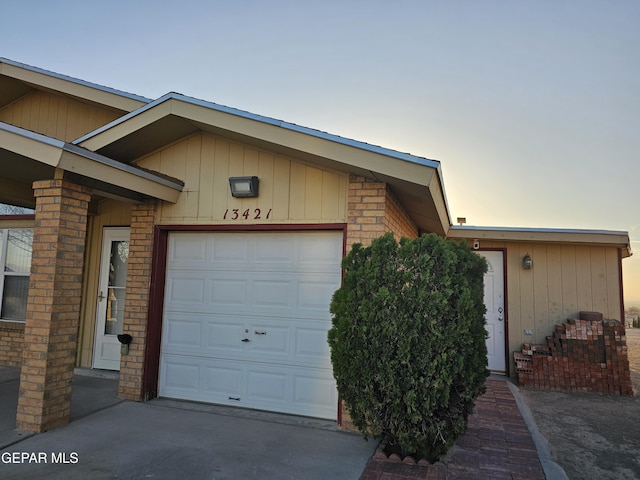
(189, 290)
(183, 332)
(267, 386)
(272, 293)
(262, 303)
(224, 337)
(229, 249)
(320, 253)
(315, 392)
(275, 252)
(224, 381)
(190, 249)
(313, 294)
(311, 347)
(268, 340)
(227, 292)
(181, 376)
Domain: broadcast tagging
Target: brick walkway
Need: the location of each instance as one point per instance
(497, 445)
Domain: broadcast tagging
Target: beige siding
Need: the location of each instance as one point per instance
(56, 116)
(564, 280)
(290, 191)
(110, 214)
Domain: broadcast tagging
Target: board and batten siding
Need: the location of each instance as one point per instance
(56, 116)
(290, 191)
(565, 279)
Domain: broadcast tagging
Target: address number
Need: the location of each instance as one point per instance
(236, 214)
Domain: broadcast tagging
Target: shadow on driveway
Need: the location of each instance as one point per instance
(109, 438)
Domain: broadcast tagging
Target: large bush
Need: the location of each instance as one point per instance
(408, 341)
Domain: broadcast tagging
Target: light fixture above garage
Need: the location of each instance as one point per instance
(244, 186)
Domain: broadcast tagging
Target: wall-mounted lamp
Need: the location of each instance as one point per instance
(125, 340)
(244, 186)
(527, 263)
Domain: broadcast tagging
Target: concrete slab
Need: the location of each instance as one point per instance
(166, 439)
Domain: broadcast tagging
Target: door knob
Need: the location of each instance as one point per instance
(500, 318)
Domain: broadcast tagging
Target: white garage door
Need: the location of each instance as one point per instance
(246, 317)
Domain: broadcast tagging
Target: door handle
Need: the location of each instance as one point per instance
(500, 318)
(259, 333)
(100, 296)
(245, 340)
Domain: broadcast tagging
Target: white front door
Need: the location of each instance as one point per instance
(494, 301)
(111, 295)
(246, 317)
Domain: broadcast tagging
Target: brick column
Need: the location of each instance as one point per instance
(366, 210)
(53, 305)
(136, 304)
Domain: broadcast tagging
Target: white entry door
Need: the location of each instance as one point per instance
(495, 316)
(246, 317)
(111, 296)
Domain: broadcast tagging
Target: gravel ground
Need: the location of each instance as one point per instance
(593, 436)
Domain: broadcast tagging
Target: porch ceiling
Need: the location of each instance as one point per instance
(26, 157)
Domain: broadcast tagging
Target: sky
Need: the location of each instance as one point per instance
(532, 107)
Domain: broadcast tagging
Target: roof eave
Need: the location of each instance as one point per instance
(614, 238)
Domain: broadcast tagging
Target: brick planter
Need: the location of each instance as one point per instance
(587, 354)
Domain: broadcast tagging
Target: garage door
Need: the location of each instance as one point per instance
(246, 317)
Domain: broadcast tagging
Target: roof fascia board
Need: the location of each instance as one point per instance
(56, 153)
(551, 235)
(366, 156)
(72, 86)
(338, 149)
(308, 131)
(44, 149)
(112, 172)
(124, 125)
(440, 200)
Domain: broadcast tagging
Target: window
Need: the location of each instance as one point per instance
(15, 266)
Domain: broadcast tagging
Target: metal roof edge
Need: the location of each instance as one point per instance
(125, 167)
(267, 120)
(30, 134)
(122, 119)
(77, 81)
(470, 228)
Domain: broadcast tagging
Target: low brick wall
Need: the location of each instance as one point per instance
(582, 355)
(11, 343)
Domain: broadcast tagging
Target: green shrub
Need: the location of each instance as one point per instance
(408, 341)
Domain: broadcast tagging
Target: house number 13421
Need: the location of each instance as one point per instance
(236, 214)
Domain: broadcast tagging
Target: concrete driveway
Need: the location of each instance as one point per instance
(162, 439)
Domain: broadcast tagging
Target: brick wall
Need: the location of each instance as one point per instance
(11, 343)
(582, 355)
(53, 306)
(137, 299)
(397, 220)
(373, 210)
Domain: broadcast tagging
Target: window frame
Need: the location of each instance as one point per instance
(4, 245)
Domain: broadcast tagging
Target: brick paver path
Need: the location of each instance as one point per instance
(497, 445)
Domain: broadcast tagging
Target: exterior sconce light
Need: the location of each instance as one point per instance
(527, 263)
(244, 186)
(125, 340)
